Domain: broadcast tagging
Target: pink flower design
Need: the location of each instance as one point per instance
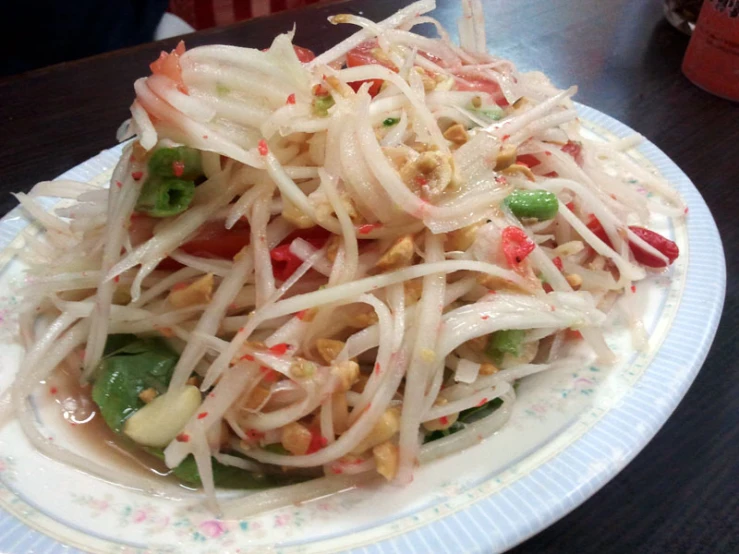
(282, 519)
(212, 528)
(99, 505)
(3, 467)
(139, 516)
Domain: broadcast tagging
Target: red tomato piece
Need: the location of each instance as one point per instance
(528, 160)
(481, 84)
(169, 66)
(304, 55)
(284, 262)
(213, 240)
(516, 246)
(368, 53)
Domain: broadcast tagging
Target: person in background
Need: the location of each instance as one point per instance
(45, 32)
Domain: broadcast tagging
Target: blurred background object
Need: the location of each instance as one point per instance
(683, 14)
(44, 32)
(712, 58)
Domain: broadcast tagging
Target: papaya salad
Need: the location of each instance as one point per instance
(316, 271)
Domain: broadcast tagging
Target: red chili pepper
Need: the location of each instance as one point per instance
(573, 334)
(291, 99)
(664, 245)
(320, 90)
(279, 349)
(482, 402)
(178, 168)
(263, 148)
(368, 228)
(557, 261)
(317, 441)
(444, 420)
(269, 375)
(253, 434)
(137, 175)
(574, 149)
(183, 437)
(516, 246)
(202, 415)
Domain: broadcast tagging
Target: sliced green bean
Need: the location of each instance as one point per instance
(180, 162)
(539, 204)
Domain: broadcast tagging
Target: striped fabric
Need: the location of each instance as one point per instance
(203, 14)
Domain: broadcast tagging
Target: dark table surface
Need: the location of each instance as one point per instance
(681, 494)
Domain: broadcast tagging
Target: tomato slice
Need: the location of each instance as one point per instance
(528, 160)
(481, 84)
(213, 240)
(169, 66)
(284, 262)
(304, 55)
(368, 53)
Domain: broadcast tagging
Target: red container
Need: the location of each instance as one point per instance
(712, 58)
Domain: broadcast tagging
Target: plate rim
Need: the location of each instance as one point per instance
(700, 263)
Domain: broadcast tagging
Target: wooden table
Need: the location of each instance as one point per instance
(681, 494)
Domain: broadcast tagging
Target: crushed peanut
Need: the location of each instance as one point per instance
(147, 395)
(488, 369)
(441, 423)
(300, 368)
(457, 133)
(332, 248)
(347, 372)
(362, 319)
(574, 280)
(339, 412)
(412, 291)
(398, 255)
(384, 430)
(598, 263)
(429, 83)
(428, 355)
(506, 157)
(361, 383)
(257, 397)
(295, 216)
(386, 459)
(431, 172)
(198, 292)
(520, 168)
(570, 248)
(462, 239)
(194, 381)
(329, 349)
(296, 438)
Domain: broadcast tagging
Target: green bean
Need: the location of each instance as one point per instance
(181, 162)
(503, 342)
(539, 204)
(321, 105)
(162, 197)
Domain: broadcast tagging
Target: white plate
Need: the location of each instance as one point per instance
(570, 433)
